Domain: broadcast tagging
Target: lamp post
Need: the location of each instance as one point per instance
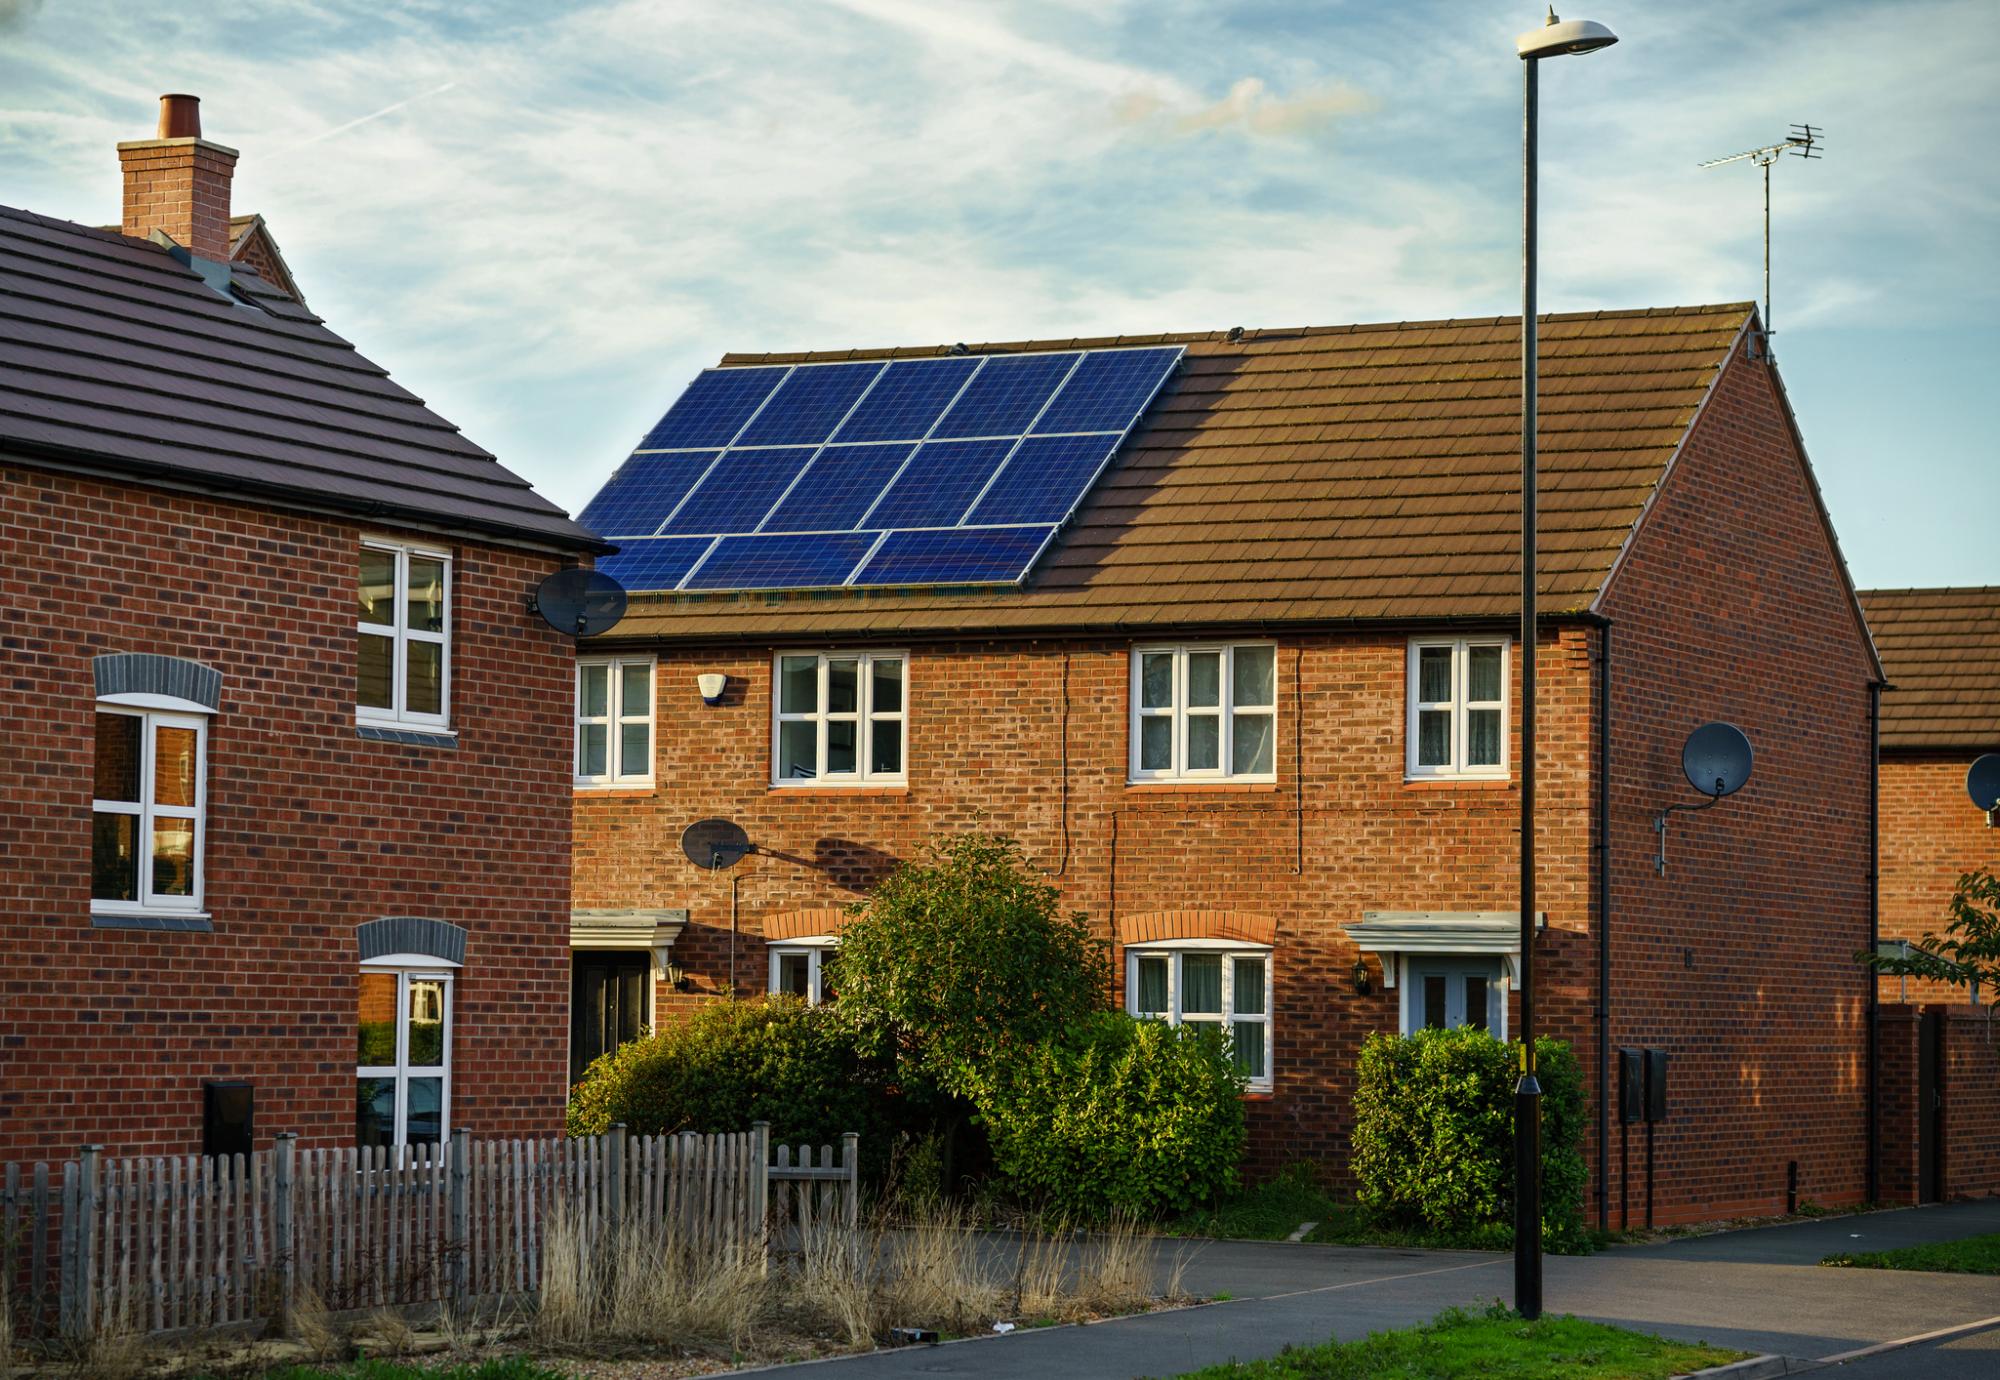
(1554, 39)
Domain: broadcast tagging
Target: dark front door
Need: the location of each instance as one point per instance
(1930, 1108)
(608, 1003)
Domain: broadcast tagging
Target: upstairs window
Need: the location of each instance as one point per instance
(1458, 708)
(405, 626)
(614, 721)
(1204, 713)
(147, 810)
(839, 719)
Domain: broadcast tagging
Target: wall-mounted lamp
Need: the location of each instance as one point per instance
(713, 684)
(1362, 985)
(675, 978)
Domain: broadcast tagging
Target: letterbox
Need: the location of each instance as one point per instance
(227, 1118)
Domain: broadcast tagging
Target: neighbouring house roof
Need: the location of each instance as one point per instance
(252, 245)
(1320, 474)
(120, 357)
(1941, 653)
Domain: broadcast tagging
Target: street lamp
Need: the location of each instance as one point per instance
(1553, 39)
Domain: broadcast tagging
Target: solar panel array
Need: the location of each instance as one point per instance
(950, 470)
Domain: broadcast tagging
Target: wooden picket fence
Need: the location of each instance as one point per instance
(159, 1243)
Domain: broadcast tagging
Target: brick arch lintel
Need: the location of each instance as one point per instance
(411, 934)
(1158, 926)
(148, 673)
(799, 924)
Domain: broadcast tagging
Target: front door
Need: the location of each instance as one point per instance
(1446, 993)
(608, 1003)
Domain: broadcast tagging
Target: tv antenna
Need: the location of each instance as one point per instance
(1802, 142)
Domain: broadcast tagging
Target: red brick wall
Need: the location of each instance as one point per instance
(106, 1035)
(1971, 1104)
(987, 737)
(1931, 836)
(1729, 605)
(1899, 1107)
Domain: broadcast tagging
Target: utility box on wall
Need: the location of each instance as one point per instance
(227, 1118)
(1656, 1085)
(1631, 1085)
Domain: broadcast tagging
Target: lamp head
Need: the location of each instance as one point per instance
(1560, 36)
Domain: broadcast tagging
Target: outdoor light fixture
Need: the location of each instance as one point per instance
(712, 684)
(1362, 986)
(674, 976)
(1554, 39)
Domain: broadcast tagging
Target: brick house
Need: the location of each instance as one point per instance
(1941, 1077)
(286, 773)
(1255, 712)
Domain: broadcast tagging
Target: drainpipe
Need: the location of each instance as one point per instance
(1602, 846)
(1875, 688)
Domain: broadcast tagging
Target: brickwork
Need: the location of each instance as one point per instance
(106, 1035)
(1931, 835)
(1030, 737)
(1971, 1104)
(1739, 960)
(1899, 1105)
(180, 186)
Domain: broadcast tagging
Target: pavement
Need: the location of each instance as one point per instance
(1761, 1290)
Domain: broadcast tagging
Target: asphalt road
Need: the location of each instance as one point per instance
(1760, 1291)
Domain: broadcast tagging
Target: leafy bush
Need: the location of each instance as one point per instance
(1434, 1134)
(732, 1063)
(962, 958)
(1118, 1115)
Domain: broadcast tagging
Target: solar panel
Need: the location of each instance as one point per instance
(952, 469)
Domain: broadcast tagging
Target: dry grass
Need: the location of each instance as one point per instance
(313, 1327)
(643, 1286)
(389, 1332)
(933, 1274)
(1115, 1268)
(115, 1350)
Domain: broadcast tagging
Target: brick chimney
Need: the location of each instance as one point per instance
(179, 182)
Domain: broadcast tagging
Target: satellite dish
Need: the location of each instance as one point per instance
(580, 602)
(1717, 759)
(1982, 782)
(715, 843)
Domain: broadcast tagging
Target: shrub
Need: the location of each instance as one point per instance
(732, 1063)
(963, 957)
(1434, 1134)
(1118, 1115)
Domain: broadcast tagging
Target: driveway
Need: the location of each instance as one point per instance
(1761, 1290)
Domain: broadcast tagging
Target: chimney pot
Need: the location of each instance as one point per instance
(180, 117)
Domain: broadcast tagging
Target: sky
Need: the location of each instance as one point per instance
(545, 218)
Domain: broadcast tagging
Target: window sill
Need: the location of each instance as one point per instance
(1259, 1095)
(159, 921)
(1490, 783)
(825, 789)
(409, 735)
(602, 788)
(1169, 787)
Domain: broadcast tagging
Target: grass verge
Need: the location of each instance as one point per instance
(1494, 1345)
(1975, 1255)
(501, 1368)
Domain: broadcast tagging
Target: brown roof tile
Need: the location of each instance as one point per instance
(1941, 651)
(1319, 474)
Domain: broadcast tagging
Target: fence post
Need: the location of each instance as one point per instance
(760, 1191)
(461, 1234)
(284, 1149)
(850, 1160)
(614, 1201)
(86, 1248)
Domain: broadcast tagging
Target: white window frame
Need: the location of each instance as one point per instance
(864, 714)
(1230, 951)
(814, 950)
(155, 712)
(1409, 1005)
(1459, 703)
(1226, 709)
(402, 1071)
(400, 634)
(614, 719)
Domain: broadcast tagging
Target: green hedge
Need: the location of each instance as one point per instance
(731, 1063)
(1117, 1115)
(1434, 1134)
